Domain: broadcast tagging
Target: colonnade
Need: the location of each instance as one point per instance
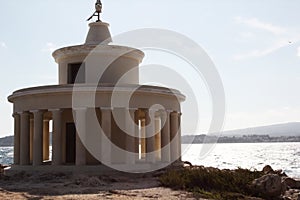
(31, 138)
(158, 141)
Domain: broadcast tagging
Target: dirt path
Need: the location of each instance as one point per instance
(61, 186)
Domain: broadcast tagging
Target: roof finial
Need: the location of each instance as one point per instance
(98, 7)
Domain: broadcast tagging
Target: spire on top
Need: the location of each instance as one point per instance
(98, 7)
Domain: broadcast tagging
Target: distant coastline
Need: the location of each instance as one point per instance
(7, 141)
(287, 132)
(200, 139)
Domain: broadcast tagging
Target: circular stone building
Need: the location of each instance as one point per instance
(101, 117)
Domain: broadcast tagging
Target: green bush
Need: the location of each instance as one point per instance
(211, 182)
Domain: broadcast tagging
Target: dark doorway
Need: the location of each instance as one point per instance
(76, 73)
(70, 143)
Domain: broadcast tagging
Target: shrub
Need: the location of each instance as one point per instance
(211, 182)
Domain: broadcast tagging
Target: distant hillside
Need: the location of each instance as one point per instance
(7, 141)
(277, 130)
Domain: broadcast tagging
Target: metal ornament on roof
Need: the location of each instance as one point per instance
(98, 8)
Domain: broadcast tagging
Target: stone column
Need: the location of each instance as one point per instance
(17, 130)
(179, 136)
(57, 137)
(31, 138)
(150, 134)
(25, 139)
(38, 138)
(157, 139)
(46, 140)
(106, 135)
(81, 129)
(137, 132)
(130, 135)
(143, 139)
(174, 136)
(165, 136)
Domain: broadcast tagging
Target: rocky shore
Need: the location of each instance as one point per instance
(266, 184)
(275, 184)
(213, 183)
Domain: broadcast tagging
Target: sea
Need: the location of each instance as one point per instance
(285, 156)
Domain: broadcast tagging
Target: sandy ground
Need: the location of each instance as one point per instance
(69, 186)
(62, 186)
(152, 193)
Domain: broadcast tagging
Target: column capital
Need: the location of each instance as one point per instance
(153, 110)
(132, 109)
(148, 110)
(56, 110)
(16, 114)
(145, 110)
(46, 119)
(163, 113)
(24, 113)
(106, 108)
(38, 110)
(175, 113)
(160, 111)
(80, 109)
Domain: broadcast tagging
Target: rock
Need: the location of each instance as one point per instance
(284, 174)
(286, 198)
(2, 167)
(290, 183)
(297, 184)
(293, 194)
(279, 171)
(187, 164)
(267, 169)
(269, 186)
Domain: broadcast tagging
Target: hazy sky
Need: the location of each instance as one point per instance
(255, 46)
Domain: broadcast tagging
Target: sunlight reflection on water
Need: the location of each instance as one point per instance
(285, 156)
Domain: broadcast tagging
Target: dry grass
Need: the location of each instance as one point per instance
(212, 182)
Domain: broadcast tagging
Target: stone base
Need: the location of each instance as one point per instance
(86, 169)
